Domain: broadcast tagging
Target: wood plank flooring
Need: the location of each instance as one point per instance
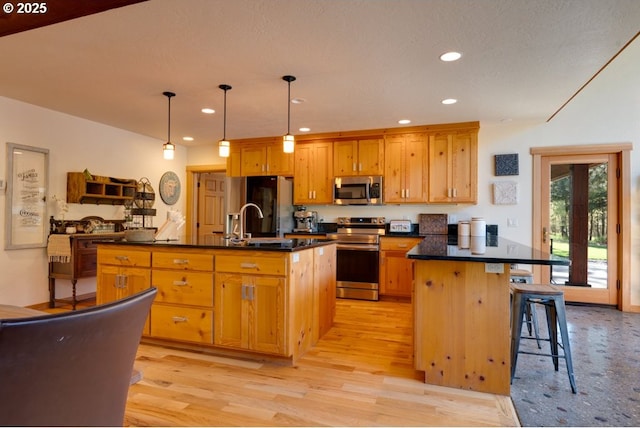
(359, 374)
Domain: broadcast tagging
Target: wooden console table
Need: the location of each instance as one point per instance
(83, 263)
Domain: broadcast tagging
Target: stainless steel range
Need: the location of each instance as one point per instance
(358, 248)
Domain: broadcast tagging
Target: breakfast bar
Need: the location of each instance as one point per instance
(462, 309)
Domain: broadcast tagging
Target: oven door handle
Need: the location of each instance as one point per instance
(358, 247)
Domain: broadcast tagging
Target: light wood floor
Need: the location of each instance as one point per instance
(359, 374)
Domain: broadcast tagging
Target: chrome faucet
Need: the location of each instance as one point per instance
(241, 215)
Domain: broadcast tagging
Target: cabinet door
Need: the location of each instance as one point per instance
(404, 165)
(267, 314)
(464, 163)
(230, 312)
(313, 178)
(393, 169)
(415, 164)
(370, 157)
(453, 168)
(253, 160)
(234, 162)
(344, 158)
(439, 159)
(114, 282)
(396, 274)
(302, 191)
(322, 174)
(279, 162)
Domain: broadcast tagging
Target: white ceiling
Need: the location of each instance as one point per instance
(360, 64)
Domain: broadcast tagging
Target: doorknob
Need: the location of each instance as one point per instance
(545, 234)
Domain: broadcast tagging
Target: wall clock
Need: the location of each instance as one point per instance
(169, 188)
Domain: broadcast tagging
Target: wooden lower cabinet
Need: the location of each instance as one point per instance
(121, 272)
(396, 271)
(268, 302)
(183, 309)
(250, 312)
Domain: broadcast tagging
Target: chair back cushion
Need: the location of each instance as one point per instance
(71, 368)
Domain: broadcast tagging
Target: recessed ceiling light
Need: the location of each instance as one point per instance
(404, 121)
(304, 129)
(298, 100)
(450, 56)
(187, 138)
(449, 101)
(207, 110)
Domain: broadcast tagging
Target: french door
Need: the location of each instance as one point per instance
(578, 211)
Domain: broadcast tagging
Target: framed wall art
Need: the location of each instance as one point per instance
(26, 223)
(506, 164)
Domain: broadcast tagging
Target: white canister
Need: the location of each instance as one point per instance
(464, 229)
(478, 226)
(478, 244)
(464, 241)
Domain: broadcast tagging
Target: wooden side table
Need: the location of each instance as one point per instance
(83, 263)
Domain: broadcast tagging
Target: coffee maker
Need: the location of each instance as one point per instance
(306, 221)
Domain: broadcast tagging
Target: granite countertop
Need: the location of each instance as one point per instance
(218, 242)
(489, 249)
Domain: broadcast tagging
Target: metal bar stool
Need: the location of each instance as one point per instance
(531, 316)
(553, 300)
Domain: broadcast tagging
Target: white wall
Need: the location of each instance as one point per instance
(74, 144)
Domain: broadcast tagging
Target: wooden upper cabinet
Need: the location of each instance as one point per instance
(313, 178)
(233, 162)
(405, 168)
(265, 159)
(358, 157)
(453, 167)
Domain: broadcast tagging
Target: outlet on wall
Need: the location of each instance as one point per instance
(512, 222)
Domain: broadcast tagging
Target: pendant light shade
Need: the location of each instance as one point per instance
(224, 147)
(168, 148)
(288, 141)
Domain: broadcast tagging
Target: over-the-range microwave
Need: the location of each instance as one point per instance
(364, 190)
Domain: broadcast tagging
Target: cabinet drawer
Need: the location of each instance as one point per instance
(183, 261)
(398, 244)
(252, 264)
(124, 257)
(186, 288)
(178, 323)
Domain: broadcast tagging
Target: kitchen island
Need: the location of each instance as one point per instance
(263, 298)
(462, 310)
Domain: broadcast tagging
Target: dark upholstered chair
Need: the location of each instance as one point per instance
(72, 368)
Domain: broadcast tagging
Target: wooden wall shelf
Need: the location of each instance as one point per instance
(99, 190)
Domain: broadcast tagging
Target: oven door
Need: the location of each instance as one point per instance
(357, 271)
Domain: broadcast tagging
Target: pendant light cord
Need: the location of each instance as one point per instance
(289, 108)
(169, 122)
(224, 118)
(289, 79)
(169, 95)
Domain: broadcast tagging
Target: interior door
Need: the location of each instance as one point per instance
(579, 219)
(211, 205)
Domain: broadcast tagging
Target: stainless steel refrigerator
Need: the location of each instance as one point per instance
(274, 195)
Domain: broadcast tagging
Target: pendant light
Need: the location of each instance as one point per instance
(224, 147)
(288, 142)
(168, 148)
